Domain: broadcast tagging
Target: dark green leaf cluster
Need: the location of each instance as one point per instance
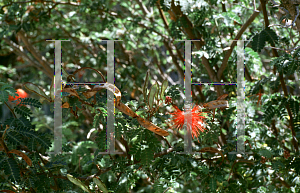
(286, 64)
(31, 102)
(260, 39)
(150, 31)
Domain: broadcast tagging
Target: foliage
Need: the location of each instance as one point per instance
(149, 74)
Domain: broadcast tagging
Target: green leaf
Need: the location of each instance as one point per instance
(266, 153)
(101, 140)
(258, 42)
(164, 86)
(296, 165)
(146, 156)
(276, 165)
(81, 149)
(14, 27)
(11, 121)
(23, 121)
(26, 27)
(31, 145)
(96, 121)
(8, 87)
(11, 168)
(30, 101)
(13, 137)
(100, 185)
(2, 33)
(78, 183)
(213, 184)
(3, 96)
(152, 93)
(22, 110)
(33, 135)
(252, 53)
(205, 170)
(271, 36)
(232, 16)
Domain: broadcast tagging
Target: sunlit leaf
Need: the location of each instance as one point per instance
(152, 93)
(164, 86)
(78, 183)
(100, 185)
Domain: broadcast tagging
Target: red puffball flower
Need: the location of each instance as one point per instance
(21, 93)
(197, 120)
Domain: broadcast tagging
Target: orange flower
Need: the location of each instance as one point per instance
(21, 93)
(197, 120)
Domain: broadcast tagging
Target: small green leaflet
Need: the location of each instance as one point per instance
(78, 183)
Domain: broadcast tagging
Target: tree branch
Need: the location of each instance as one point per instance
(233, 44)
(19, 51)
(41, 59)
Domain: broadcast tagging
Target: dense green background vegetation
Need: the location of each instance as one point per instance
(150, 30)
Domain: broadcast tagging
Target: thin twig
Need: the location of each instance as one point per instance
(41, 59)
(6, 150)
(19, 51)
(167, 189)
(291, 49)
(11, 110)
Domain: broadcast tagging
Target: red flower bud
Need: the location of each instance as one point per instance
(168, 100)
